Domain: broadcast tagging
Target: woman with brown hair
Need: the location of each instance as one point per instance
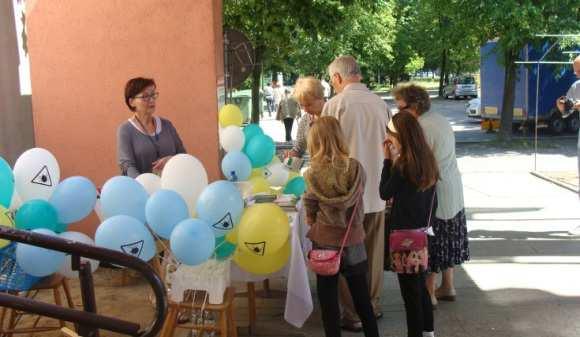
(409, 177)
(145, 142)
(449, 247)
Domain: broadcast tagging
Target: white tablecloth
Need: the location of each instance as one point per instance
(299, 304)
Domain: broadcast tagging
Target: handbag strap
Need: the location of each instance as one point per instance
(349, 226)
(431, 209)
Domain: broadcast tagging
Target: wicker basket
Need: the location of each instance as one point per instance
(12, 277)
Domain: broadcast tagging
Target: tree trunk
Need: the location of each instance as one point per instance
(507, 107)
(443, 72)
(256, 83)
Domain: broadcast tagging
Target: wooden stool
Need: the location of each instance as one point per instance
(53, 283)
(225, 325)
(251, 293)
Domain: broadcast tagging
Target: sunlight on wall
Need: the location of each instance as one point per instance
(24, 64)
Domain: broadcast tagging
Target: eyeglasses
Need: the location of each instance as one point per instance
(148, 97)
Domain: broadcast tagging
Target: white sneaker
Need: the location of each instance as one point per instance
(428, 333)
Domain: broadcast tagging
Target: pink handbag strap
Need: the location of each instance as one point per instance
(349, 226)
(431, 209)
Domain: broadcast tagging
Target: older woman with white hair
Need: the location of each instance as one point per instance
(309, 93)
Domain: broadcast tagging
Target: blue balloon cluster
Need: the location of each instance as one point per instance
(6, 183)
(37, 213)
(38, 261)
(74, 199)
(122, 195)
(192, 242)
(295, 186)
(164, 210)
(236, 166)
(127, 235)
(260, 149)
(221, 206)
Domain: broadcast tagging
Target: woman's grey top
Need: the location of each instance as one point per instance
(136, 151)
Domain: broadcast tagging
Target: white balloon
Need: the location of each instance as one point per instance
(66, 269)
(278, 174)
(36, 174)
(232, 138)
(185, 175)
(150, 181)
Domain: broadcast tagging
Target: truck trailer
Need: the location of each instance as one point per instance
(554, 83)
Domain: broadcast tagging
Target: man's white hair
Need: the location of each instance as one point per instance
(345, 66)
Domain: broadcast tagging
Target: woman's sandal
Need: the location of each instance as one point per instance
(445, 295)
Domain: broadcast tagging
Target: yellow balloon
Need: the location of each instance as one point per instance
(260, 185)
(230, 115)
(257, 172)
(5, 220)
(263, 265)
(264, 228)
(232, 236)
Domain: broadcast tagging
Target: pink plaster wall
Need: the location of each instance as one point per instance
(82, 54)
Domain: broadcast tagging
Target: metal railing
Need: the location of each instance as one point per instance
(87, 321)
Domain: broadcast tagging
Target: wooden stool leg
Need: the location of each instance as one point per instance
(11, 321)
(3, 312)
(223, 323)
(252, 307)
(57, 301)
(170, 321)
(67, 294)
(266, 286)
(232, 328)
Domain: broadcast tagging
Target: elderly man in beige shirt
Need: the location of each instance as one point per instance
(363, 117)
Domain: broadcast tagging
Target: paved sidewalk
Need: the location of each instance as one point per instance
(523, 276)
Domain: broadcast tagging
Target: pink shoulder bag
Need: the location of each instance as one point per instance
(408, 248)
(327, 261)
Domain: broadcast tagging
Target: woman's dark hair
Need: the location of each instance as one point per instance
(135, 86)
(416, 162)
(414, 95)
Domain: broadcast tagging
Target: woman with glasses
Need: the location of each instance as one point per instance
(145, 142)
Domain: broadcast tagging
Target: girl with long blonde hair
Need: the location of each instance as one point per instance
(333, 202)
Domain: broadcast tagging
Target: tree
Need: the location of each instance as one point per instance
(272, 24)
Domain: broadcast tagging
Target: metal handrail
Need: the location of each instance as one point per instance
(88, 320)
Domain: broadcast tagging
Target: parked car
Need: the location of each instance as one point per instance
(461, 86)
(473, 108)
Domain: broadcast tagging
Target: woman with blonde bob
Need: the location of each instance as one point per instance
(309, 93)
(334, 196)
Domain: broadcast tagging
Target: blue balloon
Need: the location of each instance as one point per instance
(6, 183)
(236, 166)
(250, 131)
(127, 235)
(37, 213)
(295, 186)
(164, 210)
(260, 150)
(192, 242)
(38, 261)
(74, 199)
(221, 205)
(124, 196)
